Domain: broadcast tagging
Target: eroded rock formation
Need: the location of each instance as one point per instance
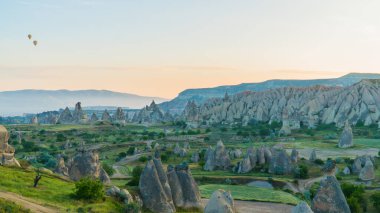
(309, 105)
(154, 188)
(151, 114)
(106, 116)
(119, 116)
(183, 187)
(329, 197)
(87, 164)
(65, 117)
(220, 202)
(346, 139)
(302, 207)
(61, 167)
(217, 159)
(79, 116)
(7, 152)
(280, 163)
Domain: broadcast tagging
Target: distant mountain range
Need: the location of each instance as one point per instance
(36, 101)
(177, 105)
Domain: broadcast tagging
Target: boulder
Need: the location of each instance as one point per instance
(153, 187)
(294, 156)
(121, 194)
(368, 172)
(7, 152)
(313, 156)
(280, 163)
(302, 207)
(329, 197)
(87, 164)
(220, 202)
(346, 139)
(113, 191)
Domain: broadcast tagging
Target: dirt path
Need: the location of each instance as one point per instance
(259, 207)
(27, 203)
(124, 161)
(303, 184)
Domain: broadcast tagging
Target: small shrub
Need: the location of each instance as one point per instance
(164, 158)
(375, 198)
(301, 172)
(136, 173)
(143, 159)
(355, 197)
(110, 171)
(319, 162)
(89, 189)
(132, 208)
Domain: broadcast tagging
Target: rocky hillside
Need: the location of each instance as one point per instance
(35, 101)
(201, 95)
(297, 105)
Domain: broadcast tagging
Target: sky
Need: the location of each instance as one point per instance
(161, 47)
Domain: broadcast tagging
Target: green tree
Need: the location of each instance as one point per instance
(136, 173)
(110, 171)
(375, 198)
(89, 189)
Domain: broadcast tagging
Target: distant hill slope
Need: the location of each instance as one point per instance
(35, 101)
(200, 95)
(308, 106)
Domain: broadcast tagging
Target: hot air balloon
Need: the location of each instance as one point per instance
(29, 36)
(35, 43)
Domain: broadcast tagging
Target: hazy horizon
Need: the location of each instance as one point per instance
(162, 48)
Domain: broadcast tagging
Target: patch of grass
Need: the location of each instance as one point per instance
(51, 191)
(250, 193)
(7, 206)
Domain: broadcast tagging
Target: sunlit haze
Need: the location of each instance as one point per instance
(159, 48)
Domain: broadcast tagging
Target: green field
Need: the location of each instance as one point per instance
(250, 193)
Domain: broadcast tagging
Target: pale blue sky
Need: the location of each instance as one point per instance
(160, 47)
